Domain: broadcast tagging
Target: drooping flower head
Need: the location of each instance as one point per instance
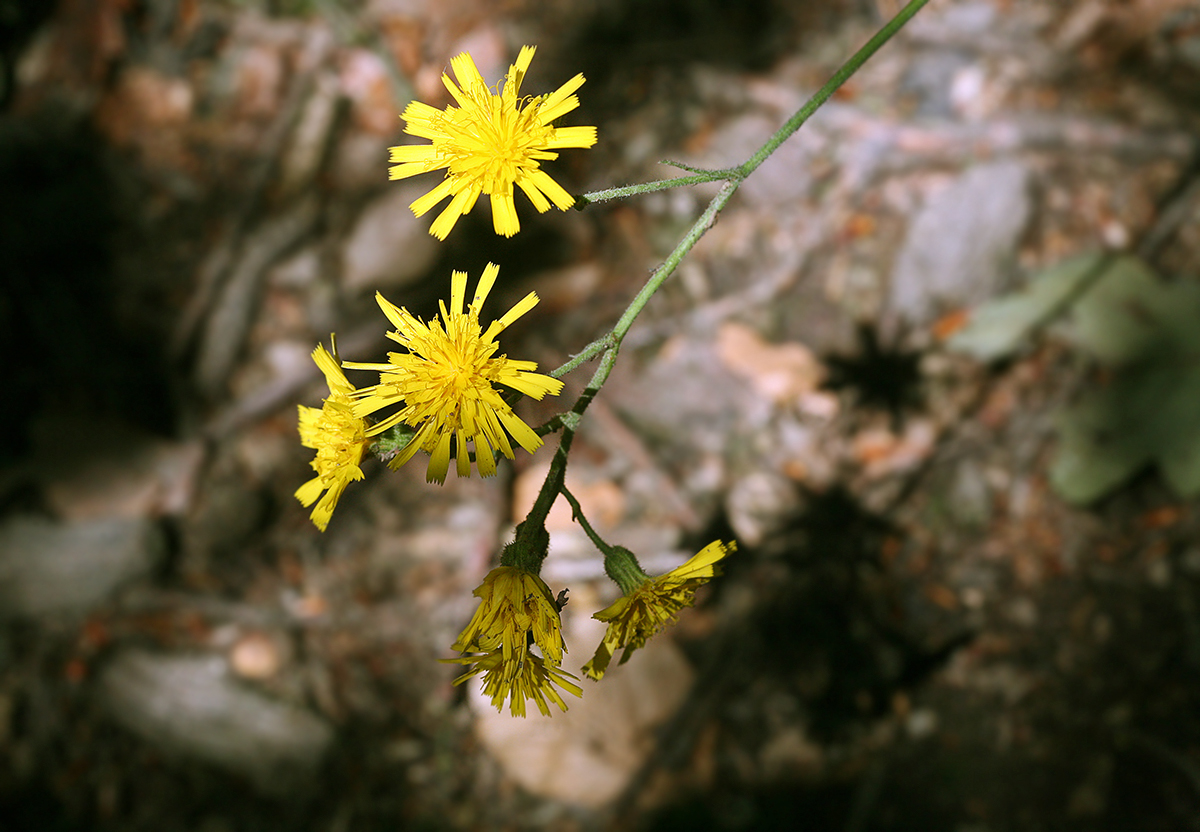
(444, 383)
(534, 678)
(488, 144)
(339, 438)
(516, 609)
(651, 605)
(516, 612)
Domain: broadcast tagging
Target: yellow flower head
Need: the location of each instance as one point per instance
(444, 383)
(513, 606)
(533, 678)
(516, 611)
(634, 618)
(339, 437)
(488, 144)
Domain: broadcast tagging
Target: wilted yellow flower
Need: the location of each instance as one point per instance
(513, 605)
(634, 618)
(533, 678)
(444, 383)
(339, 437)
(516, 612)
(488, 144)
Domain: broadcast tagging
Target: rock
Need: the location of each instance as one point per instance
(759, 504)
(48, 567)
(299, 271)
(119, 472)
(359, 161)
(782, 373)
(389, 247)
(968, 497)
(786, 177)
(588, 755)
(229, 508)
(308, 144)
(366, 82)
(257, 655)
(192, 706)
(686, 401)
(793, 754)
(960, 249)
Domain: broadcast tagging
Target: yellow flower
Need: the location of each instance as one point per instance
(533, 678)
(488, 144)
(444, 383)
(339, 437)
(516, 611)
(514, 605)
(634, 618)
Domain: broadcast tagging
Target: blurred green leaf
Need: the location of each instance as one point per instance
(1148, 411)
(998, 328)
(1179, 454)
(1125, 316)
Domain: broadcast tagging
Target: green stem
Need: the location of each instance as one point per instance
(733, 178)
(831, 86)
(649, 187)
(556, 476)
(577, 512)
(698, 229)
(735, 174)
(586, 354)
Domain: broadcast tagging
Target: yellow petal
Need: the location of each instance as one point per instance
(535, 196)
(561, 101)
(504, 215)
(486, 281)
(439, 460)
(573, 137)
(558, 195)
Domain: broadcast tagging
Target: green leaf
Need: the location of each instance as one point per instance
(1130, 314)
(1179, 421)
(998, 328)
(1147, 331)
(1149, 413)
(1101, 440)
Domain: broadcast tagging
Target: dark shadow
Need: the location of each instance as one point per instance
(881, 376)
(59, 303)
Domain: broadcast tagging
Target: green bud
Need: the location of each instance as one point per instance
(622, 567)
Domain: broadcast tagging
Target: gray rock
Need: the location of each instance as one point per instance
(192, 706)
(389, 247)
(685, 400)
(48, 567)
(961, 248)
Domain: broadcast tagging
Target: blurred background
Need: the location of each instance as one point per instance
(966, 595)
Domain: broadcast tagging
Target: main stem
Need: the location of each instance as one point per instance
(609, 345)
